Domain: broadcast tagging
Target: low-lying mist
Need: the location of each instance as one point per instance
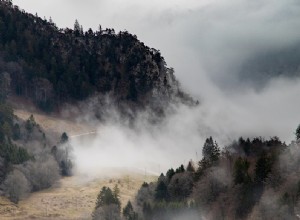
(144, 147)
(153, 148)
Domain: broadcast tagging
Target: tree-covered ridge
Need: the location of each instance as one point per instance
(248, 179)
(55, 65)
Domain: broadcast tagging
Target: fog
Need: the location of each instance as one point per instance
(206, 42)
(145, 148)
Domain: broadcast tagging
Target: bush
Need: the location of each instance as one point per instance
(42, 173)
(16, 186)
(107, 212)
(63, 156)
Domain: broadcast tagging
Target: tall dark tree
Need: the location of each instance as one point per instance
(180, 169)
(16, 132)
(129, 213)
(147, 211)
(263, 167)
(211, 150)
(106, 197)
(190, 167)
(241, 167)
(298, 132)
(64, 138)
(203, 165)
(30, 124)
(77, 27)
(161, 192)
(170, 173)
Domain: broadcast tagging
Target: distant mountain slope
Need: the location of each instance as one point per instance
(53, 66)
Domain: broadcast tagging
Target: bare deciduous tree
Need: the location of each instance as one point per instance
(16, 186)
(42, 173)
(107, 212)
(210, 186)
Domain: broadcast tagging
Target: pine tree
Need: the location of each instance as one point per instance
(108, 205)
(116, 194)
(211, 150)
(77, 28)
(147, 211)
(263, 167)
(64, 138)
(30, 124)
(161, 192)
(240, 174)
(298, 132)
(190, 167)
(203, 165)
(106, 197)
(170, 173)
(128, 212)
(180, 169)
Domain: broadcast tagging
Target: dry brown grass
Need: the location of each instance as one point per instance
(72, 198)
(55, 122)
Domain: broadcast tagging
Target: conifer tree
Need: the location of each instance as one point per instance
(128, 212)
(211, 150)
(64, 138)
(161, 192)
(298, 132)
(263, 167)
(241, 167)
(106, 203)
(190, 167)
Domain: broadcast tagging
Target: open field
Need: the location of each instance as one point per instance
(55, 122)
(72, 198)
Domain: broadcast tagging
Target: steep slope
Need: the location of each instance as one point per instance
(53, 66)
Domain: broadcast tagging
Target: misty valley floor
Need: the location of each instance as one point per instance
(72, 197)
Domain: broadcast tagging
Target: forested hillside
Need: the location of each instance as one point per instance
(53, 66)
(249, 179)
(30, 158)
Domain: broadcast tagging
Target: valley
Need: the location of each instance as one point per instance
(71, 197)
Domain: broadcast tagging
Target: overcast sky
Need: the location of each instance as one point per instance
(206, 41)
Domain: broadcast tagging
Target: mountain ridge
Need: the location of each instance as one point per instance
(54, 66)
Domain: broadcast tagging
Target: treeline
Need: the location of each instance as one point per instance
(249, 179)
(30, 160)
(53, 65)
